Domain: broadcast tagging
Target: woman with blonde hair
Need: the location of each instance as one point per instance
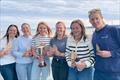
(41, 38)
(59, 64)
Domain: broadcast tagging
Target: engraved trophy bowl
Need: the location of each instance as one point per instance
(73, 56)
(40, 52)
(48, 50)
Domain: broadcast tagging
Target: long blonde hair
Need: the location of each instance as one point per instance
(64, 28)
(48, 29)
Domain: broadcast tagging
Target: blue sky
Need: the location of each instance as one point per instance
(51, 11)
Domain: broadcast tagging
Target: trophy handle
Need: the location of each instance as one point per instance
(97, 47)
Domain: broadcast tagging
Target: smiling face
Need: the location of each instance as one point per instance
(12, 31)
(96, 19)
(76, 30)
(26, 29)
(42, 29)
(60, 29)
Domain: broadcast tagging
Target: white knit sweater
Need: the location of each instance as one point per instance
(83, 49)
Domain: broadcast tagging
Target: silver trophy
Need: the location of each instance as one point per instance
(40, 52)
(97, 47)
(74, 59)
(73, 56)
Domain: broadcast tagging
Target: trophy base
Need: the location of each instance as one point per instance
(42, 65)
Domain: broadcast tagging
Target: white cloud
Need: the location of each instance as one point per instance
(19, 11)
(62, 6)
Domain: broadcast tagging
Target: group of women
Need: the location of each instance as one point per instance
(20, 59)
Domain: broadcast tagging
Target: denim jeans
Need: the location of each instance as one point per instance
(24, 71)
(40, 73)
(106, 76)
(8, 72)
(86, 74)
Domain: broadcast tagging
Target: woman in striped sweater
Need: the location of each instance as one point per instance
(42, 38)
(79, 53)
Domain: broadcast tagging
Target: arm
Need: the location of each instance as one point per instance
(57, 52)
(2, 53)
(67, 54)
(82, 64)
(33, 48)
(15, 49)
(4, 47)
(91, 60)
(115, 33)
(115, 50)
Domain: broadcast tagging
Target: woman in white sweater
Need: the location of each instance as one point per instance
(22, 52)
(79, 53)
(7, 60)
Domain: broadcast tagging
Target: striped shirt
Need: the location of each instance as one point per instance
(40, 39)
(83, 50)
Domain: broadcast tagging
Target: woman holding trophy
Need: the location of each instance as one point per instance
(7, 60)
(58, 42)
(23, 54)
(41, 62)
(79, 53)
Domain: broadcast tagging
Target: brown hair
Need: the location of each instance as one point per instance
(7, 34)
(83, 34)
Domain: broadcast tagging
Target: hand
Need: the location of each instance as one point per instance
(2, 53)
(50, 53)
(73, 64)
(40, 58)
(57, 52)
(33, 51)
(104, 53)
(6, 51)
(26, 54)
(42, 44)
(81, 66)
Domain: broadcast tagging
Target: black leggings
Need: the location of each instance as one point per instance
(59, 69)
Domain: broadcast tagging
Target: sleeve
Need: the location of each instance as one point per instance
(51, 42)
(90, 62)
(15, 49)
(116, 35)
(33, 42)
(67, 53)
